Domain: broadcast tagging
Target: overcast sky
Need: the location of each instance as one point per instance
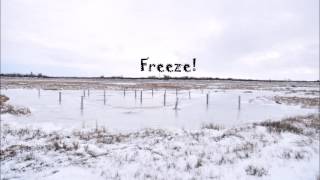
(259, 39)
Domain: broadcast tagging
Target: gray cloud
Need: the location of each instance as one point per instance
(243, 39)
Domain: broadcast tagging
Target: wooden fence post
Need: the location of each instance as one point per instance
(81, 106)
(176, 105)
(164, 97)
(104, 97)
(59, 97)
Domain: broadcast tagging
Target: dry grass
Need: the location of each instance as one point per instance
(211, 126)
(294, 100)
(3, 99)
(292, 124)
(12, 151)
(7, 108)
(256, 171)
(281, 126)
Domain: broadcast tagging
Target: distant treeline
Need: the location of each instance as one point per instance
(39, 75)
(165, 77)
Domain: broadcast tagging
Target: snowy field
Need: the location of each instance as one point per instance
(130, 129)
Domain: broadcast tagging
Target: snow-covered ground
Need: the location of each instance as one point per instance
(274, 134)
(287, 150)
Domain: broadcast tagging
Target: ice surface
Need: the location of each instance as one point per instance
(125, 112)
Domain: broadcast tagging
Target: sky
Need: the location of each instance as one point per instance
(265, 39)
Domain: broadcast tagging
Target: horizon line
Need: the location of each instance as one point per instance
(164, 77)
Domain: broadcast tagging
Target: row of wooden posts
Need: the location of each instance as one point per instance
(135, 96)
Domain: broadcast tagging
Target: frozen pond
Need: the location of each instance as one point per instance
(127, 111)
